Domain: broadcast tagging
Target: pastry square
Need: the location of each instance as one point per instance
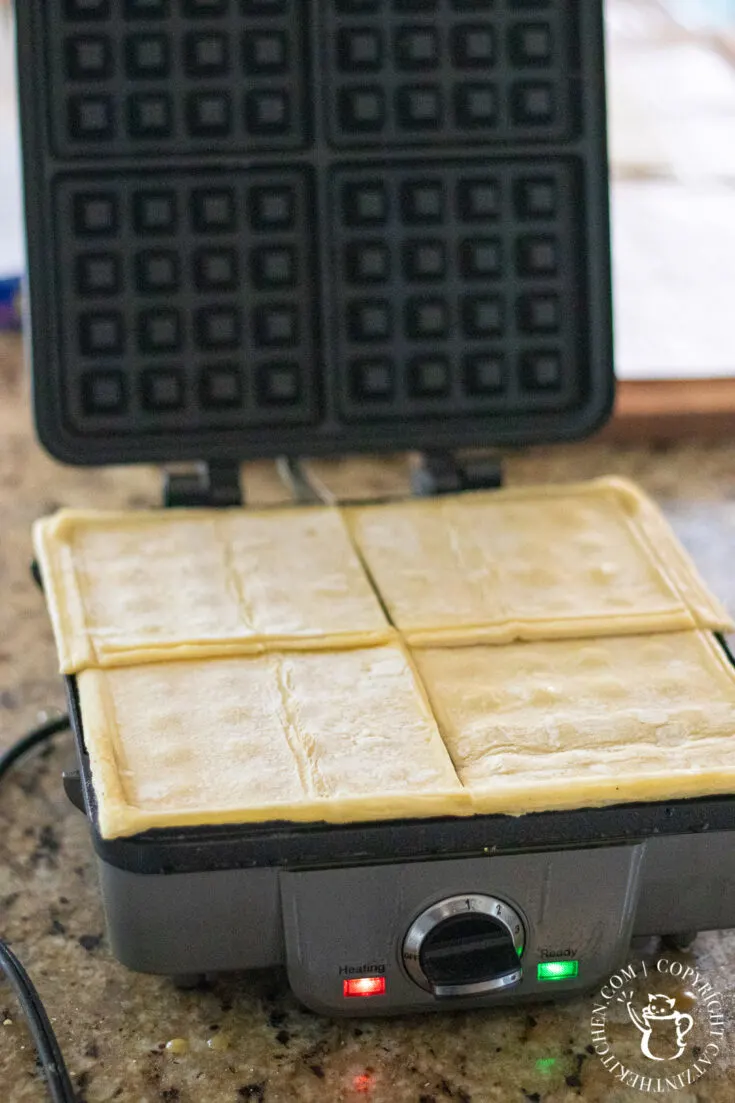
(309, 736)
(577, 723)
(165, 584)
(586, 559)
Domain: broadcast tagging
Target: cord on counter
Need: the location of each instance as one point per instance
(49, 1054)
(32, 739)
(305, 487)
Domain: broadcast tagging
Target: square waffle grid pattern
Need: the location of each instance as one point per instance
(459, 289)
(447, 71)
(177, 75)
(192, 74)
(179, 326)
(187, 300)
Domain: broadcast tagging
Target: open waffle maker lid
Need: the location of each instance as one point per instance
(261, 227)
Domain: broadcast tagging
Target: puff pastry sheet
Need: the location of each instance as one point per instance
(316, 736)
(237, 665)
(161, 584)
(577, 723)
(585, 559)
(356, 735)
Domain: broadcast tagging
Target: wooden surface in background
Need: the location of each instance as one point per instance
(673, 409)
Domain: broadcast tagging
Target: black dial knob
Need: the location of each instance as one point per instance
(465, 945)
(467, 949)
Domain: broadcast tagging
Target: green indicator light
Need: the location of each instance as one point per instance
(557, 970)
(519, 950)
(544, 1063)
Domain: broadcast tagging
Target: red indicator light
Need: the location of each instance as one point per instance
(363, 986)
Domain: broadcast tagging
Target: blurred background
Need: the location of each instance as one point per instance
(671, 76)
(672, 141)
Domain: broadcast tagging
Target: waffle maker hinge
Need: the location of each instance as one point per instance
(440, 472)
(207, 485)
(218, 485)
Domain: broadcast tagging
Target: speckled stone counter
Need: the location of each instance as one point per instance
(246, 1038)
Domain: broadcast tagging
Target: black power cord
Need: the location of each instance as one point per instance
(304, 486)
(33, 739)
(52, 1062)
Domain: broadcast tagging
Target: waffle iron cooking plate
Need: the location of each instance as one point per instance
(259, 227)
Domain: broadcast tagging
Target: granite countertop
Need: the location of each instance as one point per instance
(246, 1038)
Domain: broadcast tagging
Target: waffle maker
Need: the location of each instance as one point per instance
(261, 228)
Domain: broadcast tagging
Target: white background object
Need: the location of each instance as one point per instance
(672, 145)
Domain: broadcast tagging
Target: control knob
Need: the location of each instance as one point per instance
(465, 946)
